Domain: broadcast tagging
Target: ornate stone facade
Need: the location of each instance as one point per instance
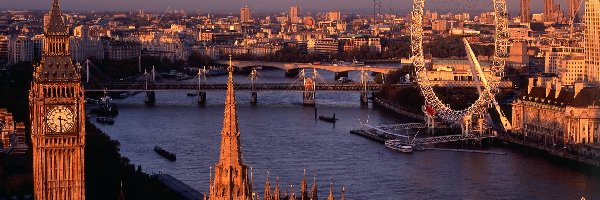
(57, 117)
(552, 115)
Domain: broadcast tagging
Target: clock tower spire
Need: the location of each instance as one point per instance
(56, 104)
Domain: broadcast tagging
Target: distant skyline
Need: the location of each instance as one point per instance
(232, 6)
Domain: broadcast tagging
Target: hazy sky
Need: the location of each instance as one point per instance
(398, 6)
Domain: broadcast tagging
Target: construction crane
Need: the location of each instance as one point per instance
(164, 13)
(572, 19)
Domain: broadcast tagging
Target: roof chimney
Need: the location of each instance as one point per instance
(539, 81)
(529, 85)
(548, 88)
(557, 89)
(578, 88)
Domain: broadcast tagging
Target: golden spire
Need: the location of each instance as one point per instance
(231, 175)
(330, 192)
(343, 191)
(230, 135)
(276, 194)
(56, 25)
(267, 194)
(314, 195)
(303, 187)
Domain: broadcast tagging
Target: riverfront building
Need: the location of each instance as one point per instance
(549, 114)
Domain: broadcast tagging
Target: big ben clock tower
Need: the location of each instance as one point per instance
(56, 104)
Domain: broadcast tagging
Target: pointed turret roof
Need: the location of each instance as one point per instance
(303, 187)
(314, 193)
(276, 194)
(230, 135)
(56, 25)
(330, 192)
(267, 194)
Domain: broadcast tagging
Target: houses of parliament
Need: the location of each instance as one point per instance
(58, 131)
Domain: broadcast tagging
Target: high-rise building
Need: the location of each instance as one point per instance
(56, 103)
(20, 49)
(334, 15)
(573, 9)
(525, 10)
(592, 39)
(231, 174)
(245, 15)
(294, 11)
(552, 12)
(3, 51)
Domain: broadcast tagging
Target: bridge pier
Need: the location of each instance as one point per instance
(309, 98)
(338, 75)
(254, 98)
(202, 98)
(292, 72)
(364, 98)
(150, 98)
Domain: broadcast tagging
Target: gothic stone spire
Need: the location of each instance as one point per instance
(314, 193)
(231, 175)
(330, 192)
(303, 187)
(56, 25)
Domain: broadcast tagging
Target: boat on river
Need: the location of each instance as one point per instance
(105, 120)
(396, 145)
(164, 153)
(328, 119)
(192, 93)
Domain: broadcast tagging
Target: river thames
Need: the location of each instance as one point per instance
(282, 137)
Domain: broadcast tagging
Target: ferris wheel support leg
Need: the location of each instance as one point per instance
(475, 63)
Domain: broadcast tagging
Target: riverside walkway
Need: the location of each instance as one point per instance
(179, 187)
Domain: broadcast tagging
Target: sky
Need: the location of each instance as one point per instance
(211, 6)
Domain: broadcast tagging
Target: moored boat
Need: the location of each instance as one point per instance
(328, 119)
(396, 145)
(191, 94)
(164, 153)
(105, 120)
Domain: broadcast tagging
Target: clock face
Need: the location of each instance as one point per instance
(60, 119)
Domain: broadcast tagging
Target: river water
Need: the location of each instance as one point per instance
(281, 137)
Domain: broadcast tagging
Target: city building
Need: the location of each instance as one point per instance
(352, 42)
(84, 46)
(245, 15)
(121, 50)
(20, 49)
(294, 14)
(334, 15)
(549, 114)
(164, 46)
(592, 39)
(12, 135)
(525, 11)
(552, 12)
(323, 46)
(567, 63)
(56, 103)
(3, 51)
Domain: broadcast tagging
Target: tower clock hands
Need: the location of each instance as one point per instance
(60, 119)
